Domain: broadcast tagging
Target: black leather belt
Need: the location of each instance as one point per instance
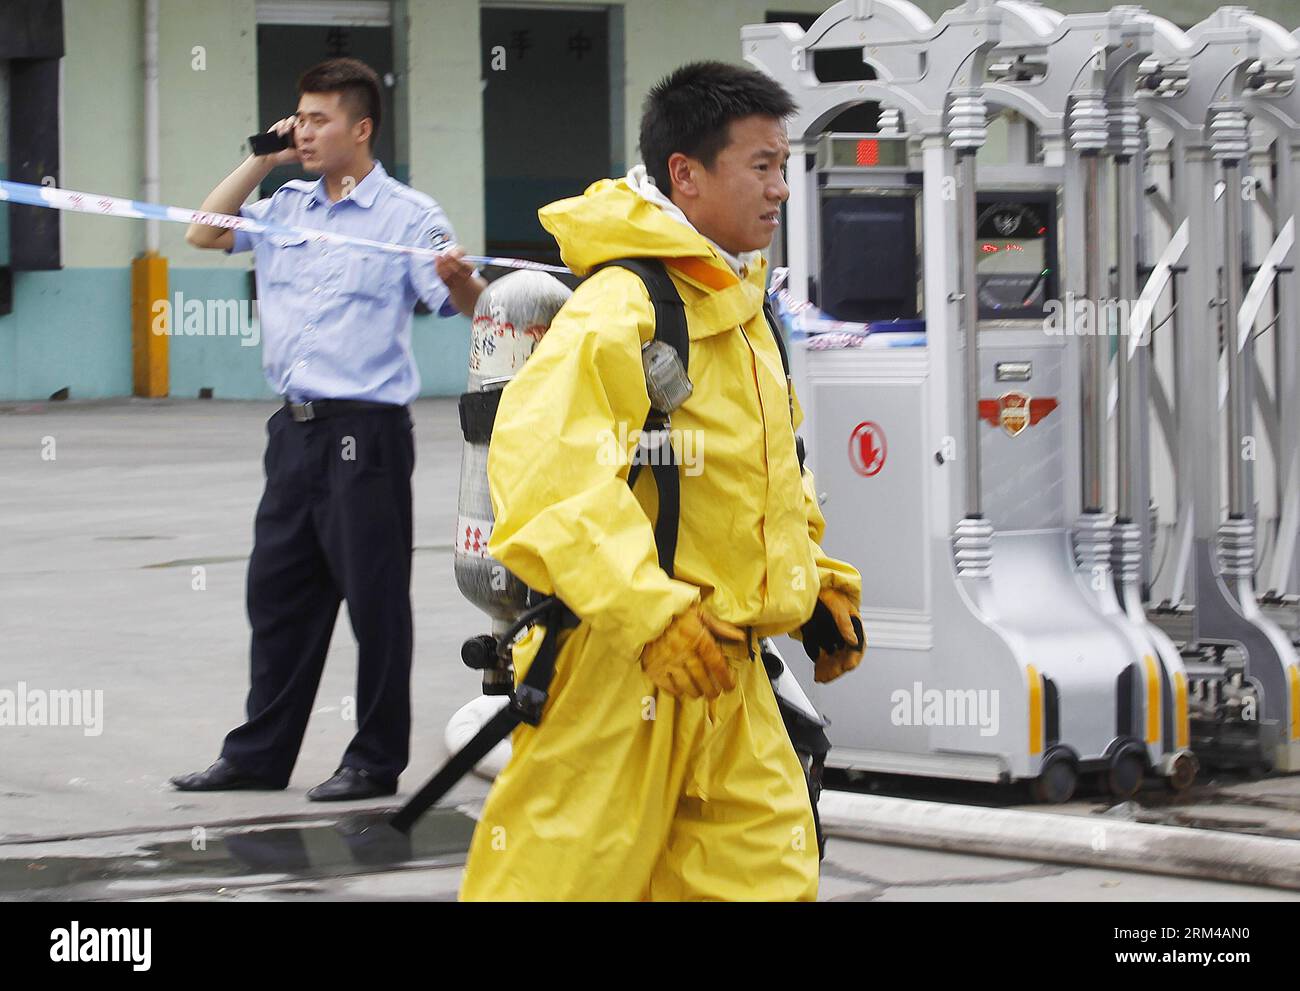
(319, 409)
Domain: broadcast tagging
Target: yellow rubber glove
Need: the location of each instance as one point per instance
(685, 660)
(845, 652)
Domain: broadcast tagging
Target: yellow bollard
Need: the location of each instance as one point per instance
(150, 325)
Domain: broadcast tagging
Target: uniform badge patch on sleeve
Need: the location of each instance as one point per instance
(439, 237)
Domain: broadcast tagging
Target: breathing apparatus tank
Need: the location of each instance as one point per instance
(510, 318)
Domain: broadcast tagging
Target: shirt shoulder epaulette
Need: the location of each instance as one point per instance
(413, 196)
(299, 186)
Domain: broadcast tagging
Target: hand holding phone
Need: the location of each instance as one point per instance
(276, 143)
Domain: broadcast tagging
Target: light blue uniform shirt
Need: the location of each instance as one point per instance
(336, 319)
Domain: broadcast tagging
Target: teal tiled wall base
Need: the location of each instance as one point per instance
(73, 329)
(224, 364)
(68, 329)
(441, 346)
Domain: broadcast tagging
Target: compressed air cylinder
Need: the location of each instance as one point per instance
(511, 316)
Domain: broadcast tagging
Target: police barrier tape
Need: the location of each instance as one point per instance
(801, 317)
(54, 198)
(814, 330)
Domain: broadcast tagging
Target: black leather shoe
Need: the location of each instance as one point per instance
(350, 784)
(222, 776)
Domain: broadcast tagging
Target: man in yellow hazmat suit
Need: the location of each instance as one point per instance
(661, 768)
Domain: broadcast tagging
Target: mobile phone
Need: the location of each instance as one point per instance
(268, 142)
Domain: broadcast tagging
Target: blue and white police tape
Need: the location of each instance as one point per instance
(815, 330)
(54, 198)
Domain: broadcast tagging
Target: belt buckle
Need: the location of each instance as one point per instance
(308, 413)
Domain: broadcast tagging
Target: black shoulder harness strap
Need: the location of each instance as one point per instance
(656, 446)
(774, 324)
(670, 311)
(670, 327)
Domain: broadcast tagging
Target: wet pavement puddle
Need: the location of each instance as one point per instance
(203, 858)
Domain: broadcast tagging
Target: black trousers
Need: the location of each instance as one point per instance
(334, 524)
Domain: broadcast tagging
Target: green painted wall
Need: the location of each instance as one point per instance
(208, 108)
(103, 120)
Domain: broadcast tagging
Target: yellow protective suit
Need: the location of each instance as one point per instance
(623, 791)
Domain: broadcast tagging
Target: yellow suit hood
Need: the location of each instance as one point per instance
(611, 220)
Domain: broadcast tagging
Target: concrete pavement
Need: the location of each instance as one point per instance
(99, 546)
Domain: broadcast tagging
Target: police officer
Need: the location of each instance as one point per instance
(334, 522)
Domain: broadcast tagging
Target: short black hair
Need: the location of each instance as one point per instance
(357, 83)
(691, 110)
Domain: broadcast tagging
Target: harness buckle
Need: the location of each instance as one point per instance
(529, 702)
